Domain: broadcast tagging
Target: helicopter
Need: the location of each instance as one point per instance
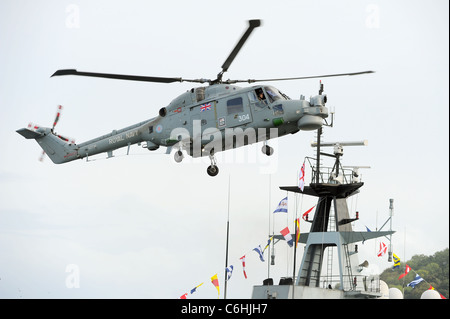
(202, 121)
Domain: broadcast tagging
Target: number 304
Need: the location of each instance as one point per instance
(244, 117)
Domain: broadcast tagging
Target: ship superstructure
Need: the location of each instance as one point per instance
(331, 243)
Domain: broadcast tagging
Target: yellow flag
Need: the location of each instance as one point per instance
(215, 282)
(297, 224)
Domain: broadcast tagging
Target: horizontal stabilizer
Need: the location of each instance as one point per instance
(29, 133)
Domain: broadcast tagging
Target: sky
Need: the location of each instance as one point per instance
(143, 226)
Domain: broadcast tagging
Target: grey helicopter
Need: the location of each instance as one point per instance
(202, 121)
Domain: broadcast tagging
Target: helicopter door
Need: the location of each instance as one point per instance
(204, 114)
(235, 112)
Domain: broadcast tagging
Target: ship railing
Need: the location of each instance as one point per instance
(328, 174)
(359, 283)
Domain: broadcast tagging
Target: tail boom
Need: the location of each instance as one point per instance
(61, 152)
(58, 150)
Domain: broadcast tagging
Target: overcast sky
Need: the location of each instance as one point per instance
(143, 226)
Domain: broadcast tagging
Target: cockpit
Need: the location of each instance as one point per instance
(263, 96)
(274, 94)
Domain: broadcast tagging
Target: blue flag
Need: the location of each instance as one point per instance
(195, 288)
(260, 253)
(229, 272)
(268, 243)
(282, 206)
(417, 280)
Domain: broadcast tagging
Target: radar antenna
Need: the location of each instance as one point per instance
(338, 151)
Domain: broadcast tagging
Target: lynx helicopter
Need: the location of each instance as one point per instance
(233, 116)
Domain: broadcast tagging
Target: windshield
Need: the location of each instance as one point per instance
(274, 94)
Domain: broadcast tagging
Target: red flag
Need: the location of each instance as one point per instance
(407, 269)
(287, 236)
(305, 214)
(383, 249)
(301, 178)
(184, 296)
(243, 266)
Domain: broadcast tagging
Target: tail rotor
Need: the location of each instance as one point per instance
(58, 114)
(34, 127)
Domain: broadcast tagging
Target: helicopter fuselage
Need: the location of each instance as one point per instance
(202, 121)
(227, 116)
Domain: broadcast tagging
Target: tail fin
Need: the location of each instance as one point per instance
(58, 150)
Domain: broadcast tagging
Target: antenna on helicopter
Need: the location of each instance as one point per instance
(323, 100)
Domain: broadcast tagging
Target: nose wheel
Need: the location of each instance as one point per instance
(266, 149)
(212, 170)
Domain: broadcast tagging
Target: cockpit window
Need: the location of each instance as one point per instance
(258, 98)
(274, 94)
(278, 110)
(260, 94)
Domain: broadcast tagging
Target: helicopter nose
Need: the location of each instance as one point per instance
(310, 122)
(312, 118)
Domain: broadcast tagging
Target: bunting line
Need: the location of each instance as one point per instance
(417, 279)
(229, 269)
(288, 237)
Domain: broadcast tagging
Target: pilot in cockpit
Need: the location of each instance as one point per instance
(260, 95)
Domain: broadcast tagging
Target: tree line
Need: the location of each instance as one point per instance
(433, 269)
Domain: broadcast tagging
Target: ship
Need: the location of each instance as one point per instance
(330, 267)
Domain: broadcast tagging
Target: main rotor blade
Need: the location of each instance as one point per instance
(252, 25)
(299, 78)
(126, 77)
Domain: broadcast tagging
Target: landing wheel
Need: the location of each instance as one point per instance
(266, 149)
(212, 170)
(178, 156)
